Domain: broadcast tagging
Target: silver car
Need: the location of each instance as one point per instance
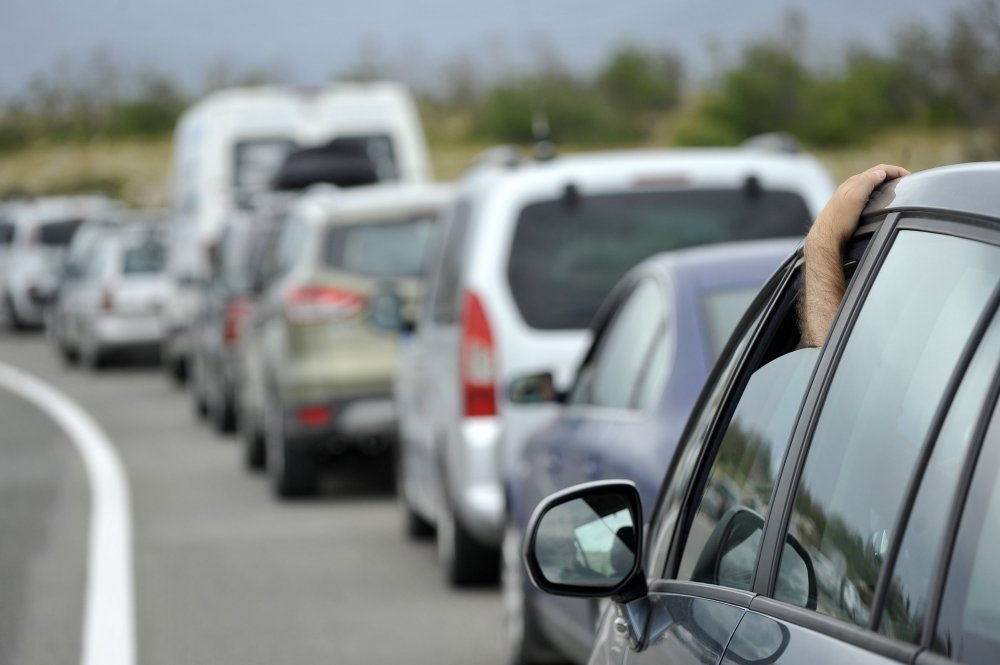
(113, 300)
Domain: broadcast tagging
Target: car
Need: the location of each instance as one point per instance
(868, 517)
(227, 146)
(40, 230)
(325, 368)
(112, 300)
(530, 250)
(655, 340)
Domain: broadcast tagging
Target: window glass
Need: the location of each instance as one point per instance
(446, 303)
(612, 379)
(744, 471)
(6, 232)
(255, 161)
(149, 257)
(377, 147)
(57, 234)
(723, 309)
(386, 249)
(906, 604)
(902, 350)
(657, 367)
(568, 253)
(969, 625)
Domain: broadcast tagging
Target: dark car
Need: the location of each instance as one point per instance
(655, 340)
(866, 521)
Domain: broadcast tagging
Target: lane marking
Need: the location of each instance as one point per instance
(109, 618)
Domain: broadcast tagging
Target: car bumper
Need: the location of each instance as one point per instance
(129, 331)
(366, 422)
(477, 490)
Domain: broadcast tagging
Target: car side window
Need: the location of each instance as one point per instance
(910, 588)
(914, 323)
(968, 627)
(445, 304)
(611, 377)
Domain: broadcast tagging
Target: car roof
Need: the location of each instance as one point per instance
(964, 188)
(331, 205)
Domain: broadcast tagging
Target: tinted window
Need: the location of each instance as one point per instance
(150, 257)
(906, 603)
(378, 148)
(568, 253)
(6, 233)
(387, 249)
(57, 234)
(723, 309)
(745, 469)
(901, 352)
(969, 624)
(611, 377)
(449, 271)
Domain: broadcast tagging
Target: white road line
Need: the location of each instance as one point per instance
(109, 619)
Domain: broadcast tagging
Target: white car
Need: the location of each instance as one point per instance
(114, 302)
(39, 231)
(529, 252)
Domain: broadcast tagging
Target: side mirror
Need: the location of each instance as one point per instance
(585, 542)
(386, 311)
(534, 389)
(730, 556)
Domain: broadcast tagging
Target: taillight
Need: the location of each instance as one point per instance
(315, 303)
(236, 314)
(107, 299)
(478, 360)
(314, 416)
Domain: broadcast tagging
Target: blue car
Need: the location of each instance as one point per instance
(655, 340)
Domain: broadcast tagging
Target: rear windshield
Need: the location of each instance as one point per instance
(58, 234)
(255, 161)
(6, 233)
(723, 309)
(568, 253)
(149, 257)
(387, 249)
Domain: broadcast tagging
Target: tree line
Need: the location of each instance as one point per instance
(923, 78)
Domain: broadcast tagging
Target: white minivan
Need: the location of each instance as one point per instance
(228, 145)
(529, 252)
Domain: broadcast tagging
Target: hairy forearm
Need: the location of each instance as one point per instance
(824, 286)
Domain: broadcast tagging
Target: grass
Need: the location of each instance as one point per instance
(136, 171)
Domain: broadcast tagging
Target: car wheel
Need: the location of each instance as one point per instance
(198, 391)
(69, 355)
(10, 315)
(291, 468)
(222, 412)
(466, 562)
(414, 526)
(176, 369)
(524, 642)
(254, 451)
(91, 353)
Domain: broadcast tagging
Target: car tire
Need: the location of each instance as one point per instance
(290, 465)
(223, 415)
(254, 451)
(92, 356)
(176, 370)
(414, 526)
(198, 398)
(69, 355)
(523, 641)
(11, 318)
(466, 562)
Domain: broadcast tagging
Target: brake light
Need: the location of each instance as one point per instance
(315, 303)
(236, 314)
(477, 360)
(107, 299)
(314, 416)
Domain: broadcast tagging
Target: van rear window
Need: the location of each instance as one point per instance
(6, 232)
(387, 249)
(149, 257)
(568, 253)
(57, 234)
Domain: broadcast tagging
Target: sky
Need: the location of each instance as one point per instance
(309, 41)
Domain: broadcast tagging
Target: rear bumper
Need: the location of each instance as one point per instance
(476, 484)
(366, 422)
(129, 332)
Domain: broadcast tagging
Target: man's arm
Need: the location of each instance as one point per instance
(824, 275)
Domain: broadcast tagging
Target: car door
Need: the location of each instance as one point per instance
(883, 429)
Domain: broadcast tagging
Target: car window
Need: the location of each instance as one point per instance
(149, 257)
(57, 233)
(968, 627)
(387, 249)
(722, 310)
(6, 233)
(445, 304)
(611, 376)
(915, 321)
(255, 161)
(744, 471)
(291, 244)
(579, 246)
(906, 602)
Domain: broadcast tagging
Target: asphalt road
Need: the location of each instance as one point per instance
(223, 572)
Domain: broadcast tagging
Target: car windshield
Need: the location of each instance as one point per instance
(722, 311)
(567, 253)
(57, 233)
(148, 257)
(386, 249)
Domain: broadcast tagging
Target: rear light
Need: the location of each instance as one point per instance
(236, 314)
(107, 299)
(317, 303)
(478, 360)
(314, 416)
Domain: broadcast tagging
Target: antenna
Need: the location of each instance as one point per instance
(545, 150)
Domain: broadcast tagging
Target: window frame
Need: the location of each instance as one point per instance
(776, 526)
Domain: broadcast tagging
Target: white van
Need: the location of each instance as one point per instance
(227, 146)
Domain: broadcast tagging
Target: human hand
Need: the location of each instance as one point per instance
(837, 221)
